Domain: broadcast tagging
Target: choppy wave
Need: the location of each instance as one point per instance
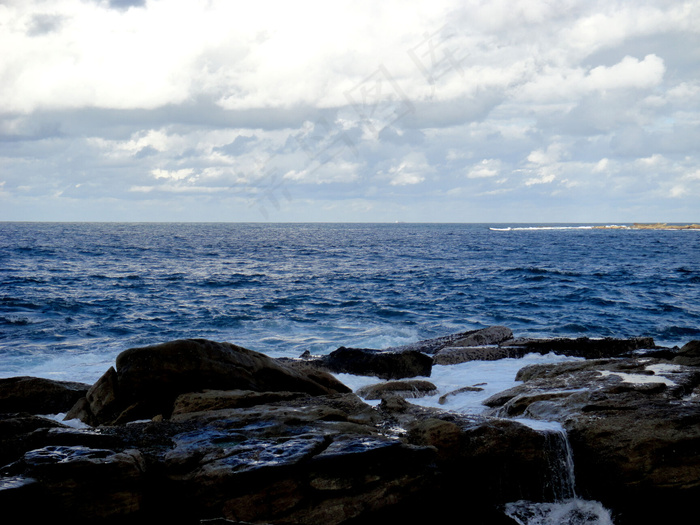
(80, 293)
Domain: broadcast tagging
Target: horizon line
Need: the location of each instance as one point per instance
(336, 222)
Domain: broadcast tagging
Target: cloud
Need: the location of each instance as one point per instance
(678, 191)
(693, 175)
(43, 24)
(172, 175)
(601, 166)
(126, 4)
(485, 169)
(628, 73)
(412, 169)
(349, 106)
(544, 178)
(551, 155)
(332, 172)
(567, 84)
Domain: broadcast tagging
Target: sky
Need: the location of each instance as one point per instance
(350, 111)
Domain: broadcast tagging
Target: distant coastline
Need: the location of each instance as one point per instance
(651, 226)
(634, 226)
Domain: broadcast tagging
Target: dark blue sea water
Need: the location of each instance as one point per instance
(73, 295)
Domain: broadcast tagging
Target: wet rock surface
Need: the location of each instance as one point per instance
(582, 346)
(195, 431)
(147, 380)
(497, 342)
(633, 423)
(491, 335)
(378, 363)
(39, 395)
(405, 389)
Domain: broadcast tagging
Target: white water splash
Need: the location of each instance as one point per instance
(568, 508)
(568, 512)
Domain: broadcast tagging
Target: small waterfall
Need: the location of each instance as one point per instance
(567, 508)
(561, 464)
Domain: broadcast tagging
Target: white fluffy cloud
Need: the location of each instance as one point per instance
(485, 169)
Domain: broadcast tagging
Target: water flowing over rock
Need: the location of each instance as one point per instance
(218, 432)
(633, 423)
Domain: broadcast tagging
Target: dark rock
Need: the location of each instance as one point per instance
(378, 363)
(582, 346)
(224, 521)
(341, 412)
(312, 460)
(147, 380)
(510, 456)
(405, 389)
(88, 485)
(486, 336)
(226, 399)
(344, 478)
(314, 372)
(491, 335)
(689, 355)
(18, 434)
(648, 451)
(27, 497)
(445, 436)
(497, 342)
(450, 355)
(505, 460)
(36, 395)
(444, 397)
(633, 424)
(270, 453)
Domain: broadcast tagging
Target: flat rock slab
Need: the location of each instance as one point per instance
(491, 335)
(583, 346)
(406, 389)
(378, 363)
(452, 355)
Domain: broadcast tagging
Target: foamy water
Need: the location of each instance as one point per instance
(490, 376)
(494, 377)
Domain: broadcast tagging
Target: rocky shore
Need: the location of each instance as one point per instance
(195, 431)
(651, 226)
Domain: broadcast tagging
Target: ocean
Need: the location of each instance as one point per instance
(74, 295)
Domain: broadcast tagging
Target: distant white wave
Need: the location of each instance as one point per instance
(518, 228)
